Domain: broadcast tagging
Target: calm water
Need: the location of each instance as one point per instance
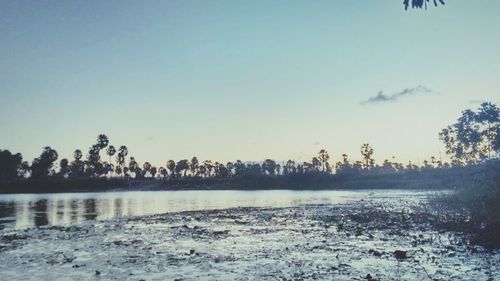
(29, 210)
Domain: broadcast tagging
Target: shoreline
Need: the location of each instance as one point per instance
(416, 180)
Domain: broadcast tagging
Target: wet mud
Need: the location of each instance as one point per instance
(369, 239)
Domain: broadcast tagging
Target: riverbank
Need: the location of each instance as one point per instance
(434, 179)
(379, 238)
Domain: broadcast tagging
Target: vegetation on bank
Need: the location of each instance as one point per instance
(476, 205)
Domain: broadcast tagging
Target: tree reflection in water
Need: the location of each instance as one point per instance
(40, 208)
(90, 209)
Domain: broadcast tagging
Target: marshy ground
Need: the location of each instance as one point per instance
(376, 238)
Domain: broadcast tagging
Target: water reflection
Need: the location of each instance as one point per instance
(40, 211)
(34, 210)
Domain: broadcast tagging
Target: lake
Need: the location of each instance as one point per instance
(33, 210)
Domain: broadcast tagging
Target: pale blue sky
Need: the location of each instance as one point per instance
(248, 80)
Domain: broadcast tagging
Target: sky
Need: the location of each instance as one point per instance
(249, 80)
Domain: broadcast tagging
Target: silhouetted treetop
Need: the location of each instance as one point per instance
(10, 165)
(475, 135)
(419, 4)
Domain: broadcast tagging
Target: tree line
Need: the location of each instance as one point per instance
(475, 137)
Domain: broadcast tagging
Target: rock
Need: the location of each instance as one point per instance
(399, 254)
(375, 253)
(97, 272)
(9, 237)
(191, 252)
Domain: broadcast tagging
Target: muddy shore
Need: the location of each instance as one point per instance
(369, 239)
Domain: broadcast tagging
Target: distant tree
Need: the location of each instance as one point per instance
(24, 169)
(153, 171)
(216, 168)
(125, 171)
(93, 156)
(118, 171)
(433, 161)
(289, 167)
(269, 166)
(420, 3)
(202, 170)
(254, 169)
(209, 167)
(387, 166)
(222, 171)
(133, 165)
(230, 168)
(107, 168)
(367, 151)
(110, 152)
(301, 169)
(474, 136)
(182, 166)
(239, 167)
(146, 168)
(93, 164)
(488, 117)
(64, 167)
(171, 167)
(42, 165)
(315, 164)
(193, 166)
(163, 172)
(343, 166)
(323, 158)
(10, 166)
(77, 166)
(139, 173)
(78, 154)
(102, 141)
(120, 157)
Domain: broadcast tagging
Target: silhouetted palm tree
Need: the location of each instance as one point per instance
(367, 151)
(230, 168)
(78, 154)
(420, 3)
(193, 166)
(132, 165)
(209, 167)
(77, 166)
(153, 171)
(171, 167)
(163, 172)
(146, 168)
(122, 153)
(182, 166)
(110, 151)
(102, 141)
(323, 158)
